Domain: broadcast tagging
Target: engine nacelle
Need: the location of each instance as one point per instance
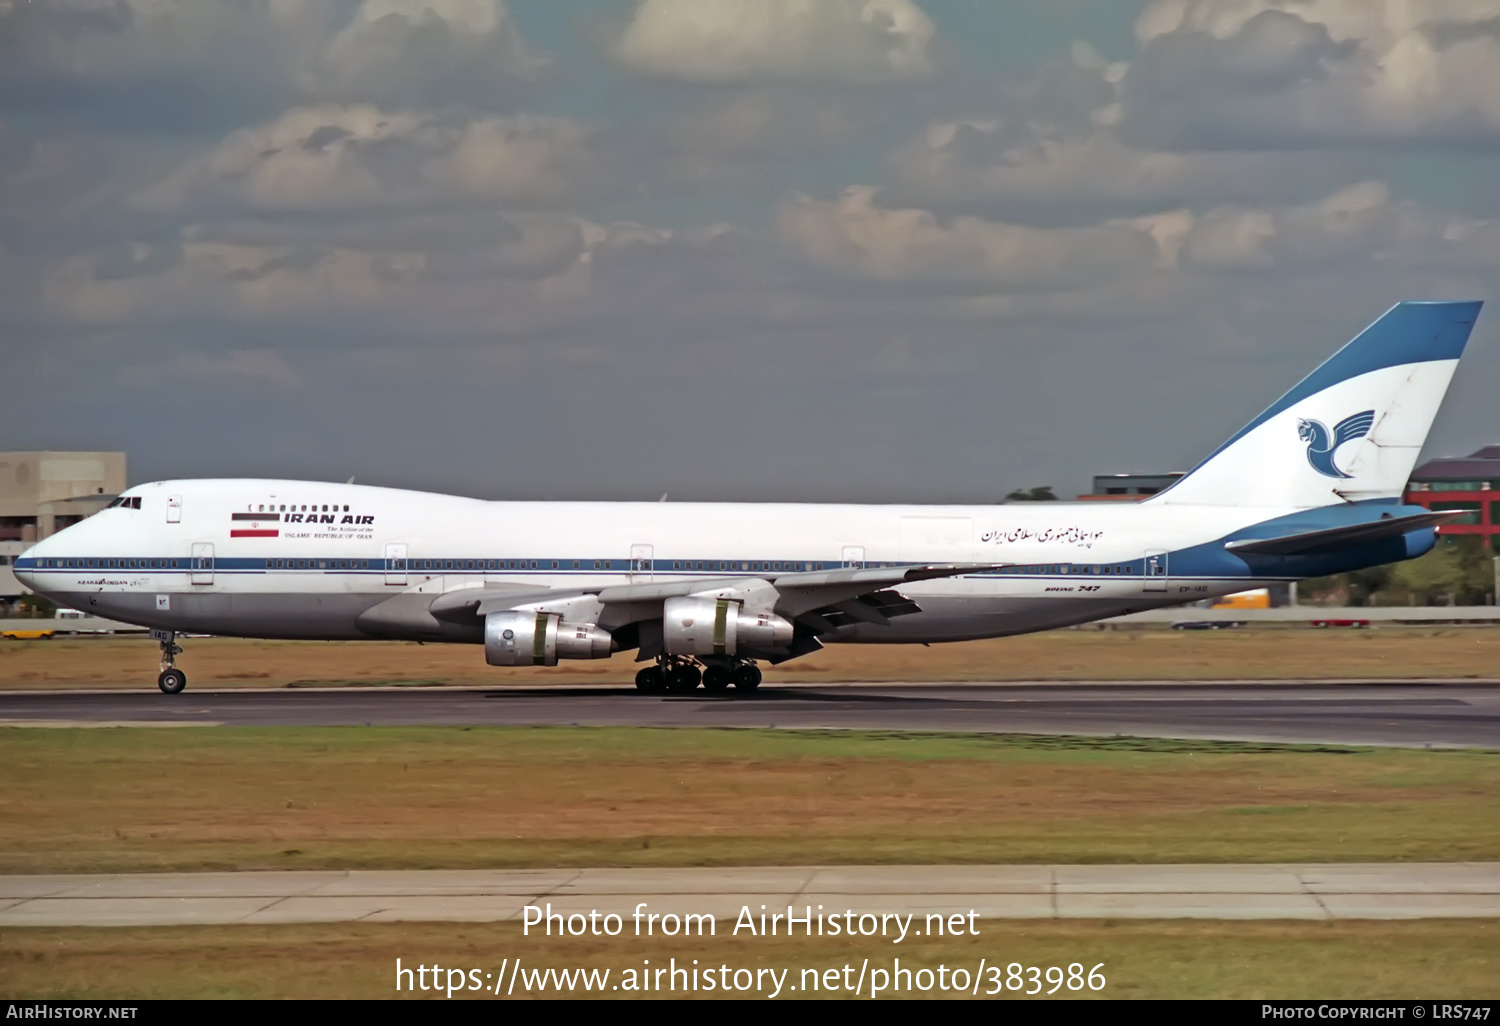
(706, 626)
(541, 639)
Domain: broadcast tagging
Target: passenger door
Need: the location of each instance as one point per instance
(203, 563)
(395, 562)
(1156, 578)
(174, 509)
(854, 556)
(642, 559)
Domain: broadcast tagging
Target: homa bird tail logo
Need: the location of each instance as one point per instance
(1321, 447)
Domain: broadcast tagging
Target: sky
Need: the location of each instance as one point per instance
(751, 250)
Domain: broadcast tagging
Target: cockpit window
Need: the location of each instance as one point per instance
(126, 502)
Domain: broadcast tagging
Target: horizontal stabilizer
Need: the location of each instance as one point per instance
(1333, 537)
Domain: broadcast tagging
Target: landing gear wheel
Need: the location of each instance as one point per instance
(651, 680)
(171, 681)
(684, 678)
(747, 677)
(716, 678)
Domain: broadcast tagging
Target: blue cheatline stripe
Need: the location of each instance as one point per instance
(1409, 332)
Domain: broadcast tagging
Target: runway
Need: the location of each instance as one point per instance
(1356, 713)
(1350, 891)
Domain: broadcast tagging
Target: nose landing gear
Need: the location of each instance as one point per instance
(172, 680)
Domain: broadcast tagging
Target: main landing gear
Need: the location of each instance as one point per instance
(172, 680)
(680, 676)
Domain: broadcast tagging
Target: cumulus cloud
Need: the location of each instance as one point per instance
(331, 157)
(139, 282)
(1314, 73)
(735, 139)
(1360, 225)
(854, 236)
(736, 41)
(1360, 222)
(1050, 151)
(1026, 172)
(521, 272)
(211, 61)
(396, 50)
(105, 39)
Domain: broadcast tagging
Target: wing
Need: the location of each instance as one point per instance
(1350, 428)
(817, 602)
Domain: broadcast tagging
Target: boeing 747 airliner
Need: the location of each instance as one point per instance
(701, 591)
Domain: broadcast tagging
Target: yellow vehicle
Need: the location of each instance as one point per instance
(1259, 598)
(25, 634)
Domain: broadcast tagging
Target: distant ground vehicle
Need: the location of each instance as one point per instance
(1206, 625)
(1258, 598)
(25, 634)
(75, 621)
(1341, 623)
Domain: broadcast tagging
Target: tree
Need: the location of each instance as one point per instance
(36, 605)
(1042, 494)
(1459, 568)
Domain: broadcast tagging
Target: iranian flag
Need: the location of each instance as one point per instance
(254, 525)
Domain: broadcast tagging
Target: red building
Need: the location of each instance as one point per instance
(1462, 482)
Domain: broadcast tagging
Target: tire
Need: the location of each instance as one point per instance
(683, 679)
(747, 677)
(651, 681)
(171, 681)
(716, 678)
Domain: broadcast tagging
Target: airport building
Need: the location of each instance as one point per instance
(43, 492)
(1462, 482)
(1128, 487)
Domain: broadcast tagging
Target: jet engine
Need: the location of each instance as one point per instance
(540, 639)
(707, 626)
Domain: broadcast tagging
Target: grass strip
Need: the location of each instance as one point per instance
(126, 800)
(1457, 959)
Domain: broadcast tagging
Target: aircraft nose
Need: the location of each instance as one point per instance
(23, 566)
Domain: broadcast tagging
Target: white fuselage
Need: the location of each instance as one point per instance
(307, 560)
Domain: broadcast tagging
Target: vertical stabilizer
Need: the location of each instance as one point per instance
(1352, 429)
